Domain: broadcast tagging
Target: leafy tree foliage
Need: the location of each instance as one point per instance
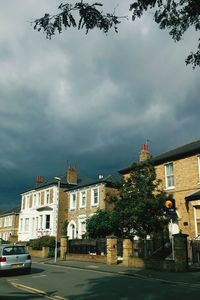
(175, 15)
(89, 18)
(99, 225)
(140, 208)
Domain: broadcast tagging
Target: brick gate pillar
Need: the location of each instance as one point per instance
(127, 251)
(111, 250)
(180, 252)
(63, 247)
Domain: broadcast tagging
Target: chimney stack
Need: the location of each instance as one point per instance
(72, 175)
(144, 153)
(39, 180)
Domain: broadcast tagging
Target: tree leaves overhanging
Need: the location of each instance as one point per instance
(177, 16)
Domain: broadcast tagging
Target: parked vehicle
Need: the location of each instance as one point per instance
(14, 257)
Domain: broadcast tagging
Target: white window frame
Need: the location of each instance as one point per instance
(47, 222)
(26, 225)
(196, 222)
(47, 196)
(93, 202)
(198, 158)
(34, 200)
(81, 199)
(21, 224)
(81, 225)
(39, 198)
(167, 176)
(73, 201)
(40, 222)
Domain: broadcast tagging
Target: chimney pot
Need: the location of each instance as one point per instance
(144, 153)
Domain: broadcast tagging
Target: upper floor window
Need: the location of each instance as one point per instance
(73, 201)
(8, 221)
(169, 175)
(23, 202)
(39, 198)
(95, 197)
(27, 201)
(83, 199)
(47, 197)
(34, 200)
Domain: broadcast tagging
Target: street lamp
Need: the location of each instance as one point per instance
(56, 219)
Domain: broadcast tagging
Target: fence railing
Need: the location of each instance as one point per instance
(87, 246)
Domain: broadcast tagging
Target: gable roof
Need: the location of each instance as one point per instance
(174, 154)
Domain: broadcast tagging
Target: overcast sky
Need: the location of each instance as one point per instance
(90, 99)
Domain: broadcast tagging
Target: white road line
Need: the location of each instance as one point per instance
(36, 291)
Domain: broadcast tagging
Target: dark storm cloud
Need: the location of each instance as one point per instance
(88, 99)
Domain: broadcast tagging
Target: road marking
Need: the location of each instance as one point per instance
(36, 291)
(38, 276)
(125, 274)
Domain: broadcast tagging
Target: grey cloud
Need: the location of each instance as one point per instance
(92, 100)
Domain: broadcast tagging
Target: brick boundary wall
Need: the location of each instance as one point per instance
(87, 257)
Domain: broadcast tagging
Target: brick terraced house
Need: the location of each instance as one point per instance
(179, 170)
(84, 200)
(9, 222)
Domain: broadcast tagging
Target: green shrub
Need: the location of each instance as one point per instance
(44, 241)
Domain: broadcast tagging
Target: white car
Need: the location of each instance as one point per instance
(14, 257)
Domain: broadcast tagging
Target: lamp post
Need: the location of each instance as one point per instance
(56, 219)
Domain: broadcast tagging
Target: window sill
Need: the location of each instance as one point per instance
(170, 188)
(95, 205)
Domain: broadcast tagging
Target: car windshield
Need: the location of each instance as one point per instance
(14, 250)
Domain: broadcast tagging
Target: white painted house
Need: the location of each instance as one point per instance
(44, 207)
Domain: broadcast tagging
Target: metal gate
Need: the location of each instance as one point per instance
(195, 244)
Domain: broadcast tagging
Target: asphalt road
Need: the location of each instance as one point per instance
(60, 282)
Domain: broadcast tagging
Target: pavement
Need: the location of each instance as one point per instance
(189, 278)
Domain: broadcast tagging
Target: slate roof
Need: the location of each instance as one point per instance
(82, 181)
(63, 183)
(14, 210)
(108, 180)
(174, 154)
(177, 153)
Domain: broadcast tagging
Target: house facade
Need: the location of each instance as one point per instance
(44, 207)
(179, 171)
(83, 202)
(9, 222)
